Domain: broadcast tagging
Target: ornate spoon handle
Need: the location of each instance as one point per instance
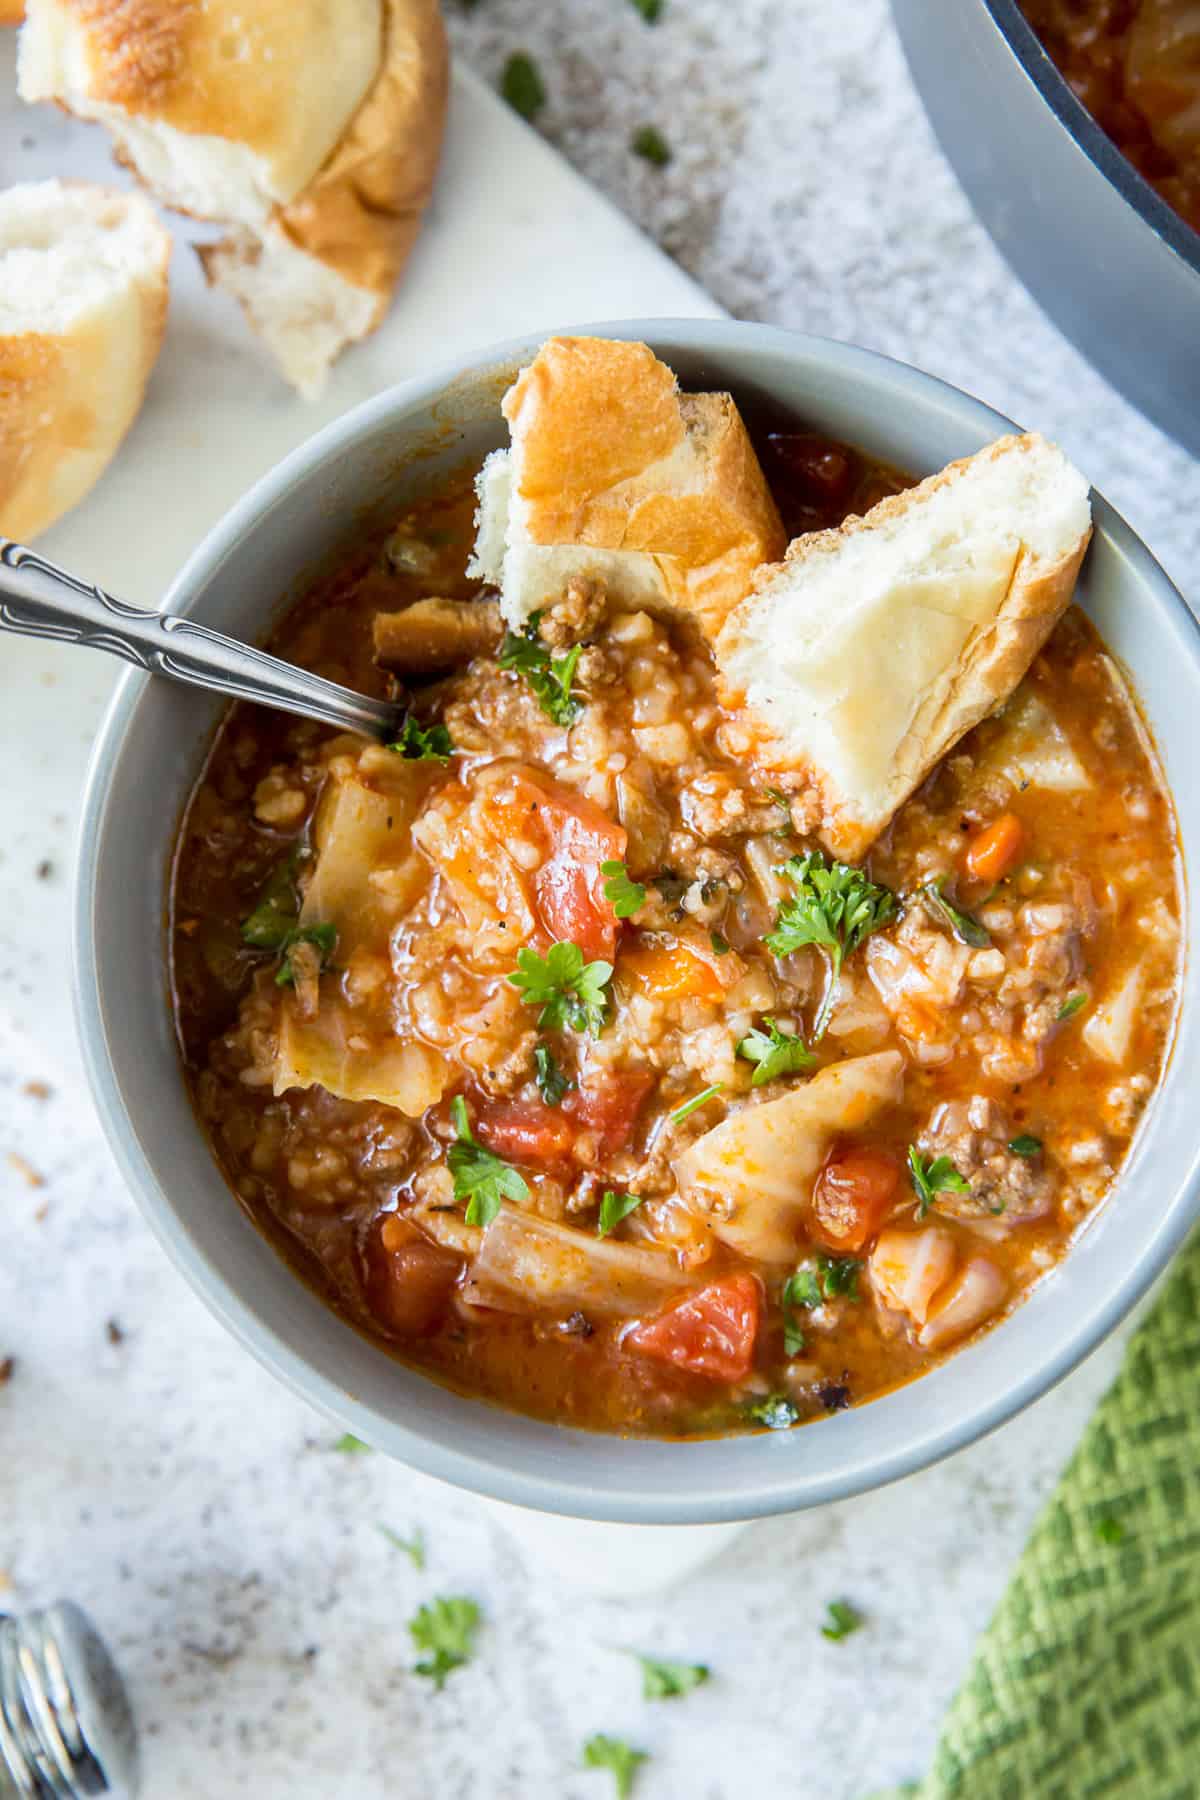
(39, 600)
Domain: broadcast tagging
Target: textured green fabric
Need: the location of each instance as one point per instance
(1086, 1684)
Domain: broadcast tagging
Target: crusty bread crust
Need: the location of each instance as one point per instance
(68, 398)
(994, 660)
(11, 12)
(607, 453)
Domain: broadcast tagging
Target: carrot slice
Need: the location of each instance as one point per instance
(993, 851)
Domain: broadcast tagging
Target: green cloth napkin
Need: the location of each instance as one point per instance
(1086, 1684)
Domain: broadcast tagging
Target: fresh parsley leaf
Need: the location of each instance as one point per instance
(614, 1208)
(552, 1083)
(349, 1445)
(480, 1178)
(626, 897)
(413, 1547)
(669, 1680)
(930, 1179)
(522, 86)
(843, 1620)
(689, 1106)
(802, 1289)
(1071, 1005)
(568, 990)
(965, 928)
(623, 1762)
(1025, 1145)
(446, 1628)
(651, 10)
(323, 936)
(423, 743)
(1109, 1530)
(549, 676)
(776, 1052)
(834, 907)
(793, 1337)
(278, 908)
(776, 1412)
(650, 144)
(720, 944)
(833, 1278)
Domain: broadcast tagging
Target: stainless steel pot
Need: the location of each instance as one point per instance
(1115, 268)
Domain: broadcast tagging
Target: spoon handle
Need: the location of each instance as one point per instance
(37, 599)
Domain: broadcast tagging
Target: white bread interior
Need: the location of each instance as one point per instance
(311, 128)
(612, 472)
(83, 302)
(871, 649)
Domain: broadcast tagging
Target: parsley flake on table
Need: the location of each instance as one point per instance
(614, 1208)
(931, 1178)
(963, 925)
(322, 937)
(548, 675)
(569, 991)
(625, 897)
(620, 1758)
(349, 1445)
(843, 1620)
(776, 1052)
(650, 144)
(446, 1628)
(689, 1106)
(522, 86)
(413, 1547)
(651, 10)
(834, 907)
(551, 1082)
(669, 1680)
(482, 1179)
(422, 743)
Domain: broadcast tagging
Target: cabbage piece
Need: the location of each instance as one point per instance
(1109, 1028)
(1036, 750)
(528, 1262)
(751, 1177)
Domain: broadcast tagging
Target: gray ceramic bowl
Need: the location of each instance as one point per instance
(148, 755)
(1114, 267)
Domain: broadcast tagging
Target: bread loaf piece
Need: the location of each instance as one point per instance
(83, 302)
(311, 128)
(867, 653)
(613, 473)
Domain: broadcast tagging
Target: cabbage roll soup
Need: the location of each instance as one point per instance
(748, 967)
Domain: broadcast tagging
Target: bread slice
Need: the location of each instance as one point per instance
(870, 650)
(311, 128)
(613, 473)
(83, 304)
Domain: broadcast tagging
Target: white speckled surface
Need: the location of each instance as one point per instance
(168, 1483)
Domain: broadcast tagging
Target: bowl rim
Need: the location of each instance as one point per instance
(1043, 72)
(773, 1489)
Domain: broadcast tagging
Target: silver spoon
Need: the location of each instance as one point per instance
(39, 600)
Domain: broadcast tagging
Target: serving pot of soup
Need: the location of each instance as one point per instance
(550, 1095)
(1074, 127)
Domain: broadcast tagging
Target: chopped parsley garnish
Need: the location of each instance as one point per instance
(1025, 1145)
(278, 908)
(651, 10)
(777, 797)
(834, 907)
(614, 1208)
(689, 1106)
(650, 144)
(1109, 1530)
(793, 1337)
(843, 1620)
(568, 990)
(413, 1547)
(776, 1052)
(552, 1083)
(720, 945)
(931, 1178)
(522, 86)
(621, 1759)
(625, 897)
(482, 1179)
(324, 937)
(965, 928)
(1071, 1005)
(832, 1278)
(423, 743)
(446, 1628)
(802, 1289)
(349, 1445)
(549, 676)
(669, 1680)
(776, 1412)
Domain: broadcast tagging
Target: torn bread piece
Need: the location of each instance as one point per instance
(871, 649)
(83, 305)
(613, 473)
(311, 129)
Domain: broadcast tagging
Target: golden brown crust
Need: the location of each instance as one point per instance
(11, 12)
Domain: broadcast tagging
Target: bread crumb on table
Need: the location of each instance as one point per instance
(25, 1169)
(37, 1090)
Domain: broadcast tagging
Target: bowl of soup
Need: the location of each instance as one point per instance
(1073, 127)
(540, 1095)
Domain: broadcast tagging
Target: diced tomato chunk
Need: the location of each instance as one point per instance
(410, 1279)
(709, 1333)
(608, 1105)
(526, 1130)
(853, 1196)
(993, 851)
(576, 837)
